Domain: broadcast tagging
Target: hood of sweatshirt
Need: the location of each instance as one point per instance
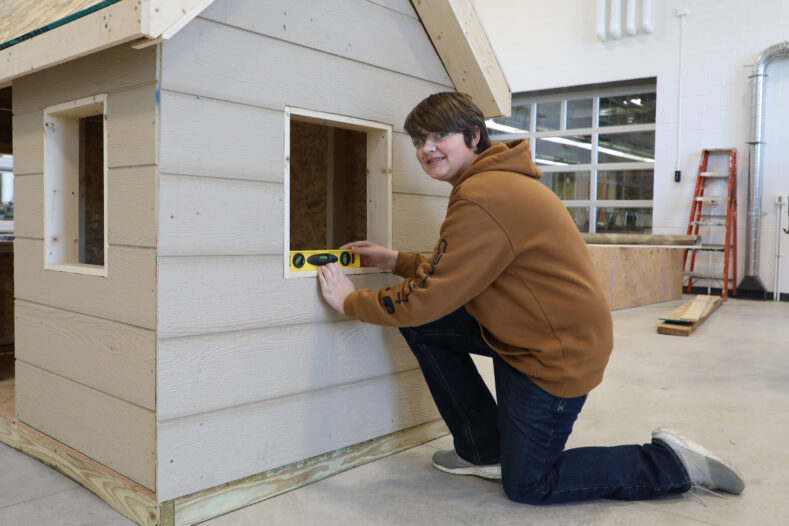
(514, 156)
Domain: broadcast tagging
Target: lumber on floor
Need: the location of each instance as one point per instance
(686, 318)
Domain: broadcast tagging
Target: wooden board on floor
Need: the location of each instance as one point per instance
(686, 318)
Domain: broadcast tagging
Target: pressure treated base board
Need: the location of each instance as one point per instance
(122, 495)
(140, 505)
(222, 499)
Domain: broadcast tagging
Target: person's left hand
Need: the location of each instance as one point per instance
(335, 285)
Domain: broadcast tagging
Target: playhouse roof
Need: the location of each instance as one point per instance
(37, 34)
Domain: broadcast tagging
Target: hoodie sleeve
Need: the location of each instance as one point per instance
(471, 253)
(408, 263)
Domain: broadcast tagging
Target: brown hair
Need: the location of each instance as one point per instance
(448, 111)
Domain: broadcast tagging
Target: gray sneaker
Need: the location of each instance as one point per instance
(704, 467)
(450, 462)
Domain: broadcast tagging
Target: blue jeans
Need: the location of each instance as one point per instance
(528, 429)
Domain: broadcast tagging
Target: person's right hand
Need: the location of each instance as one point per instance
(373, 255)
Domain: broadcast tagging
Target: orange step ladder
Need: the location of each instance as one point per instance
(700, 216)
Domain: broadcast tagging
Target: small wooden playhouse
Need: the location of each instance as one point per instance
(167, 156)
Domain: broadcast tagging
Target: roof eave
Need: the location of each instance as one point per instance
(124, 21)
(460, 40)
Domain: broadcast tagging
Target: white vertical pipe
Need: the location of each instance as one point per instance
(600, 29)
(647, 23)
(776, 292)
(615, 20)
(681, 16)
(630, 18)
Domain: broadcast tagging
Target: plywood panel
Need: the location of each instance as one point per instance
(206, 373)
(209, 449)
(354, 29)
(201, 215)
(18, 18)
(28, 206)
(28, 142)
(416, 221)
(633, 276)
(115, 433)
(110, 357)
(203, 295)
(408, 177)
(203, 136)
(270, 73)
(127, 295)
(310, 171)
(131, 206)
(131, 127)
(110, 71)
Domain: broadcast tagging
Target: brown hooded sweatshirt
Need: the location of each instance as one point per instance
(510, 253)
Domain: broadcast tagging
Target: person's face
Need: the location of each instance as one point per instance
(444, 155)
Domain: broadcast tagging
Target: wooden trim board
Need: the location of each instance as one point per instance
(121, 22)
(140, 505)
(464, 48)
(123, 495)
(686, 318)
(225, 498)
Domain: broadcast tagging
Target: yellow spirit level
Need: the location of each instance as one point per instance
(312, 259)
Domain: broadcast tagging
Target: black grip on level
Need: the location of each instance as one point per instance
(321, 259)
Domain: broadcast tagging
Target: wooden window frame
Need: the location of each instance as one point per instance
(379, 180)
(60, 173)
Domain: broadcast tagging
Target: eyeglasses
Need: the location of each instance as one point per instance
(434, 137)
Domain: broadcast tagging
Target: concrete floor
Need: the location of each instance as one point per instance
(726, 386)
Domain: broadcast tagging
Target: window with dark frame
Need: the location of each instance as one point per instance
(596, 148)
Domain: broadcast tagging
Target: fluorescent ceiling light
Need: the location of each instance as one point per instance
(587, 146)
(552, 163)
(503, 127)
(625, 155)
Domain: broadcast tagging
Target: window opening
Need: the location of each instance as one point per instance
(75, 175)
(338, 186)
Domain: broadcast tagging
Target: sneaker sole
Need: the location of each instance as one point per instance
(670, 437)
(477, 472)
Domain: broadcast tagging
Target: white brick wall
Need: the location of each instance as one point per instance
(543, 45)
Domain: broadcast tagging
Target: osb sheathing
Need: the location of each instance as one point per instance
(19, 17)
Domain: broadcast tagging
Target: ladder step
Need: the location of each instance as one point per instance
(710, 199)
(714, 174)
(704, 275)
(709, 223)
(721, 150)
(714, 216)
(712, 247)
